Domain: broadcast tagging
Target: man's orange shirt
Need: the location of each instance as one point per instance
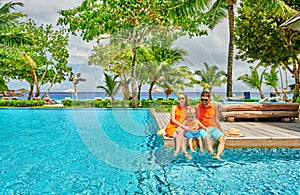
(206, 115)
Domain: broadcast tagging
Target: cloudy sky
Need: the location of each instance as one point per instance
(211, 49)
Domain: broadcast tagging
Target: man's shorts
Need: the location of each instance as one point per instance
(214, 133)
(192, 134)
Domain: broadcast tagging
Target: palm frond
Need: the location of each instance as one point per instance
(217, 13)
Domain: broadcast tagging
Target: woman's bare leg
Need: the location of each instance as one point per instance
(178, 141)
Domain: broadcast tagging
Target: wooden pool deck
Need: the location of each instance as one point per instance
(264, 134)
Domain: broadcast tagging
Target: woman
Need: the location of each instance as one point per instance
(175, 128)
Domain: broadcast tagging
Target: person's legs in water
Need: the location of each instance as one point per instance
(219, 136)
(178, 140)
(208, 145)
(206, 137)
(180, 143)
(190, 136)
(191, 144)
(183, 148)
(221, 147)
(200, 144)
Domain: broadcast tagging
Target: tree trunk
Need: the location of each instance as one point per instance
(139, 91)
(125, 90)
(286, 86)
(133, 75)
(35, 82)
(230, 4)
(49, 88)
(262, 96)
(296, 73)
(150, 90)
(168, 92)
(296, 91)
(75, 90)
(282, 88)
(30, 93)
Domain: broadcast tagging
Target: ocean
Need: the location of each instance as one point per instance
(58, 96)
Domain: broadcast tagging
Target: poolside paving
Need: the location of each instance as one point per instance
(260, 134)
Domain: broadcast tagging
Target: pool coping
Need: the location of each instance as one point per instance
(290, 140)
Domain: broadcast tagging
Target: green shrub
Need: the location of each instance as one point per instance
(102, 104)
(67, 102)
(21, 103)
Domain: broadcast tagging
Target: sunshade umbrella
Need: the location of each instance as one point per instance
(293, 23)
(157, 90)
(69, 90)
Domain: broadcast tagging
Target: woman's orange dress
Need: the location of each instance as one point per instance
(180, 115)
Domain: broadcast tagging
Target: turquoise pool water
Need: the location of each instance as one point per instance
(104, 151)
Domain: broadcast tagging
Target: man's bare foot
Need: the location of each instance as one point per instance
(192, 150)
(188, 156)
(201, 150)
(217, 157)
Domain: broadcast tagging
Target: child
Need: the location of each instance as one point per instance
(192, 131)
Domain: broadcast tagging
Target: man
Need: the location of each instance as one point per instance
(207, 113)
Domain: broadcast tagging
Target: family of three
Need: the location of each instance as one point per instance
(201, 122)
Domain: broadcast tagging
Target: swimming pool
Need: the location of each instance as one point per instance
(104, 151)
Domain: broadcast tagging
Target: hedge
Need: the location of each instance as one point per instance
(21, 103)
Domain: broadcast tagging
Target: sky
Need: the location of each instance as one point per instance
(211, 49)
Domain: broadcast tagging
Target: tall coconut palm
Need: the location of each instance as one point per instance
(254, 80)
(230, 4)
(210, 76)
(218, 11)
(111, 86)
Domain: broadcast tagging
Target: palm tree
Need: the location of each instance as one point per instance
(210, 77)
(159, 62)
(230, 4)
(271, 79)
(217, 14)
(176, 79)
(111, 85)
(10, 33)
(254, 80)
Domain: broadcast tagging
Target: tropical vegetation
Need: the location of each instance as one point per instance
(135, 41)
(260, 38)
(254, 80)
(210, 77)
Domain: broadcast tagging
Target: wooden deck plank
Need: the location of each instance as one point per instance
(257, 134)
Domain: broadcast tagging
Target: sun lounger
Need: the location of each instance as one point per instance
(47, 100)
(98, 98)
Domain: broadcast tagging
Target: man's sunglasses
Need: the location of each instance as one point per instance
(204, 100)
